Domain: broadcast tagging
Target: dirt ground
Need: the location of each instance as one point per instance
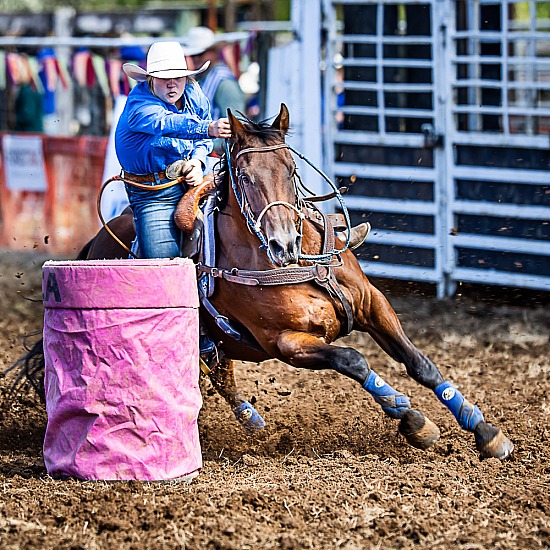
(330, 470)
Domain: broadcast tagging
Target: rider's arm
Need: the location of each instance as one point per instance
(150, 115)
(157, 120)
(201, 150)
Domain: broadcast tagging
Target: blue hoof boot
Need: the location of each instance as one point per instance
(395, 406)
(393, 403)
(249, 418)
(467, 415)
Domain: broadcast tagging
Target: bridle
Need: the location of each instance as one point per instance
(254, 221)
(299, 206)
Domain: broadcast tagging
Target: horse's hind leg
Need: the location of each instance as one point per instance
(305, 350)
(384, 326)
(223, 380)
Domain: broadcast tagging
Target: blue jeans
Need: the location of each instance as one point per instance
(157, 233)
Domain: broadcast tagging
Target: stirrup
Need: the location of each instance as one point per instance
(209, 353)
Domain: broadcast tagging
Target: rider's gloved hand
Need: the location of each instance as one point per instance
(194, 177)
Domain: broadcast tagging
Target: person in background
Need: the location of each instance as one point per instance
(29, 111)
(218, 82)
(164, 129)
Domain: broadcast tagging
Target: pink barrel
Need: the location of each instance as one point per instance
(122, 369)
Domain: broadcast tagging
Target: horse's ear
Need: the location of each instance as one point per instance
(237, 127)
(282, 122)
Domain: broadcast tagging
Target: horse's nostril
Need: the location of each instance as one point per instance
(286, 250)
(277, 250)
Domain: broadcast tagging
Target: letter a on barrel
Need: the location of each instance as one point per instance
(52, 286)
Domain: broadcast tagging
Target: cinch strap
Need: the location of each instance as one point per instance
(393, 403)
(467, 415)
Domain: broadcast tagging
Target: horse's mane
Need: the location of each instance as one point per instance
(222, 182)
(261, 129)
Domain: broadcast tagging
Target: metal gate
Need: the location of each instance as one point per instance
(437, 118)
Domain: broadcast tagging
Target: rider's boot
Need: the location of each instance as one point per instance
(357, 236)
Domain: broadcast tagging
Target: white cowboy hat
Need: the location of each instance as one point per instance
(198, 40)
(164, 60)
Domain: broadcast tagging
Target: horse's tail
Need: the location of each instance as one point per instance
(29, 369)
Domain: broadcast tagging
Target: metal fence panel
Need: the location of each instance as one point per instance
(437, 117)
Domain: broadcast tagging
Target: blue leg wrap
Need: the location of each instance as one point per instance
(467, 415)
(393, 403)
(249, 418)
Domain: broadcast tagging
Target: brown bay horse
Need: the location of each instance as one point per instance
(290, 302)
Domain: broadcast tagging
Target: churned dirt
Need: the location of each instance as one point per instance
(330, 470)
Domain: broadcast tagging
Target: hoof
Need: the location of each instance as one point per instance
(491, 442)
(249, 418)
(418, 430)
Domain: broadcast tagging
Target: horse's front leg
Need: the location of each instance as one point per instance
(384, 326)
(305, 350)
(223, 380)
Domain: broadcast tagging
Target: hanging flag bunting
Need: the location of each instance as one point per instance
(82, 69)
(48, 72)
(3, 81)
(114, 70)
(100, 71)
(51, 71)
(14, 67)
(34, 73)
(63, 73)
(48, 77)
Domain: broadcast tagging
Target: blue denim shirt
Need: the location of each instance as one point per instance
(151, 134)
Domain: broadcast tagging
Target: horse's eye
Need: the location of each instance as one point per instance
(245, 180)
